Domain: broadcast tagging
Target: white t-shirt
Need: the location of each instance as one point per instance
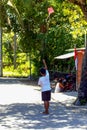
(44, 82)
(57, 88)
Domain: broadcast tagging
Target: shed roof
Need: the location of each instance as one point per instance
(65, 56)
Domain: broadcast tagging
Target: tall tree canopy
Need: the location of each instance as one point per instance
(82, 4)
(39, 34)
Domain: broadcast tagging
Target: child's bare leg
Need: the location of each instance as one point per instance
(46, 106)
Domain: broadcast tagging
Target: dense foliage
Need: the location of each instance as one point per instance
(38, 34)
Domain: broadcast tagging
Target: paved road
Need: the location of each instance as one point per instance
(21, 109)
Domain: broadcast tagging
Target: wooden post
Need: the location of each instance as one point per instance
(15, 51)
(1, 51)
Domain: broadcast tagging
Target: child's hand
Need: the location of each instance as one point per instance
(43, 60)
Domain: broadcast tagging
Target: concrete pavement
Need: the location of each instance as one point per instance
(21, 109)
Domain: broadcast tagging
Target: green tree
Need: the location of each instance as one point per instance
(40, 35)
(2, 21)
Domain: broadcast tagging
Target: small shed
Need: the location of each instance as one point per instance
(80, 54)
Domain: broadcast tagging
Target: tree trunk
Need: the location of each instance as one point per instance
(82, 92)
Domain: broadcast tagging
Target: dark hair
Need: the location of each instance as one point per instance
(43, 71)
(60, 80)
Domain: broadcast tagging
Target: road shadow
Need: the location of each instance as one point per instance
(25, 116)
(9, 80)
(29, 116)
(25, 81)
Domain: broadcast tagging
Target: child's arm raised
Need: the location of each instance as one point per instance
(45, 65)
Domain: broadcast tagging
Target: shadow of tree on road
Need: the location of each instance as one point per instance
(29, 116)
(25, 81)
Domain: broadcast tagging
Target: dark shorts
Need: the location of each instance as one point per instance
(46, 95)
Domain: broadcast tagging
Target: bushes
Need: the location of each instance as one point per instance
(21, 71)
(22, 68)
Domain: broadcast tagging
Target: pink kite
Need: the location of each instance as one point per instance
(50, 10)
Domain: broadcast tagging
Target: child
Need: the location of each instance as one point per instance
(59, 86)
(44, 82)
